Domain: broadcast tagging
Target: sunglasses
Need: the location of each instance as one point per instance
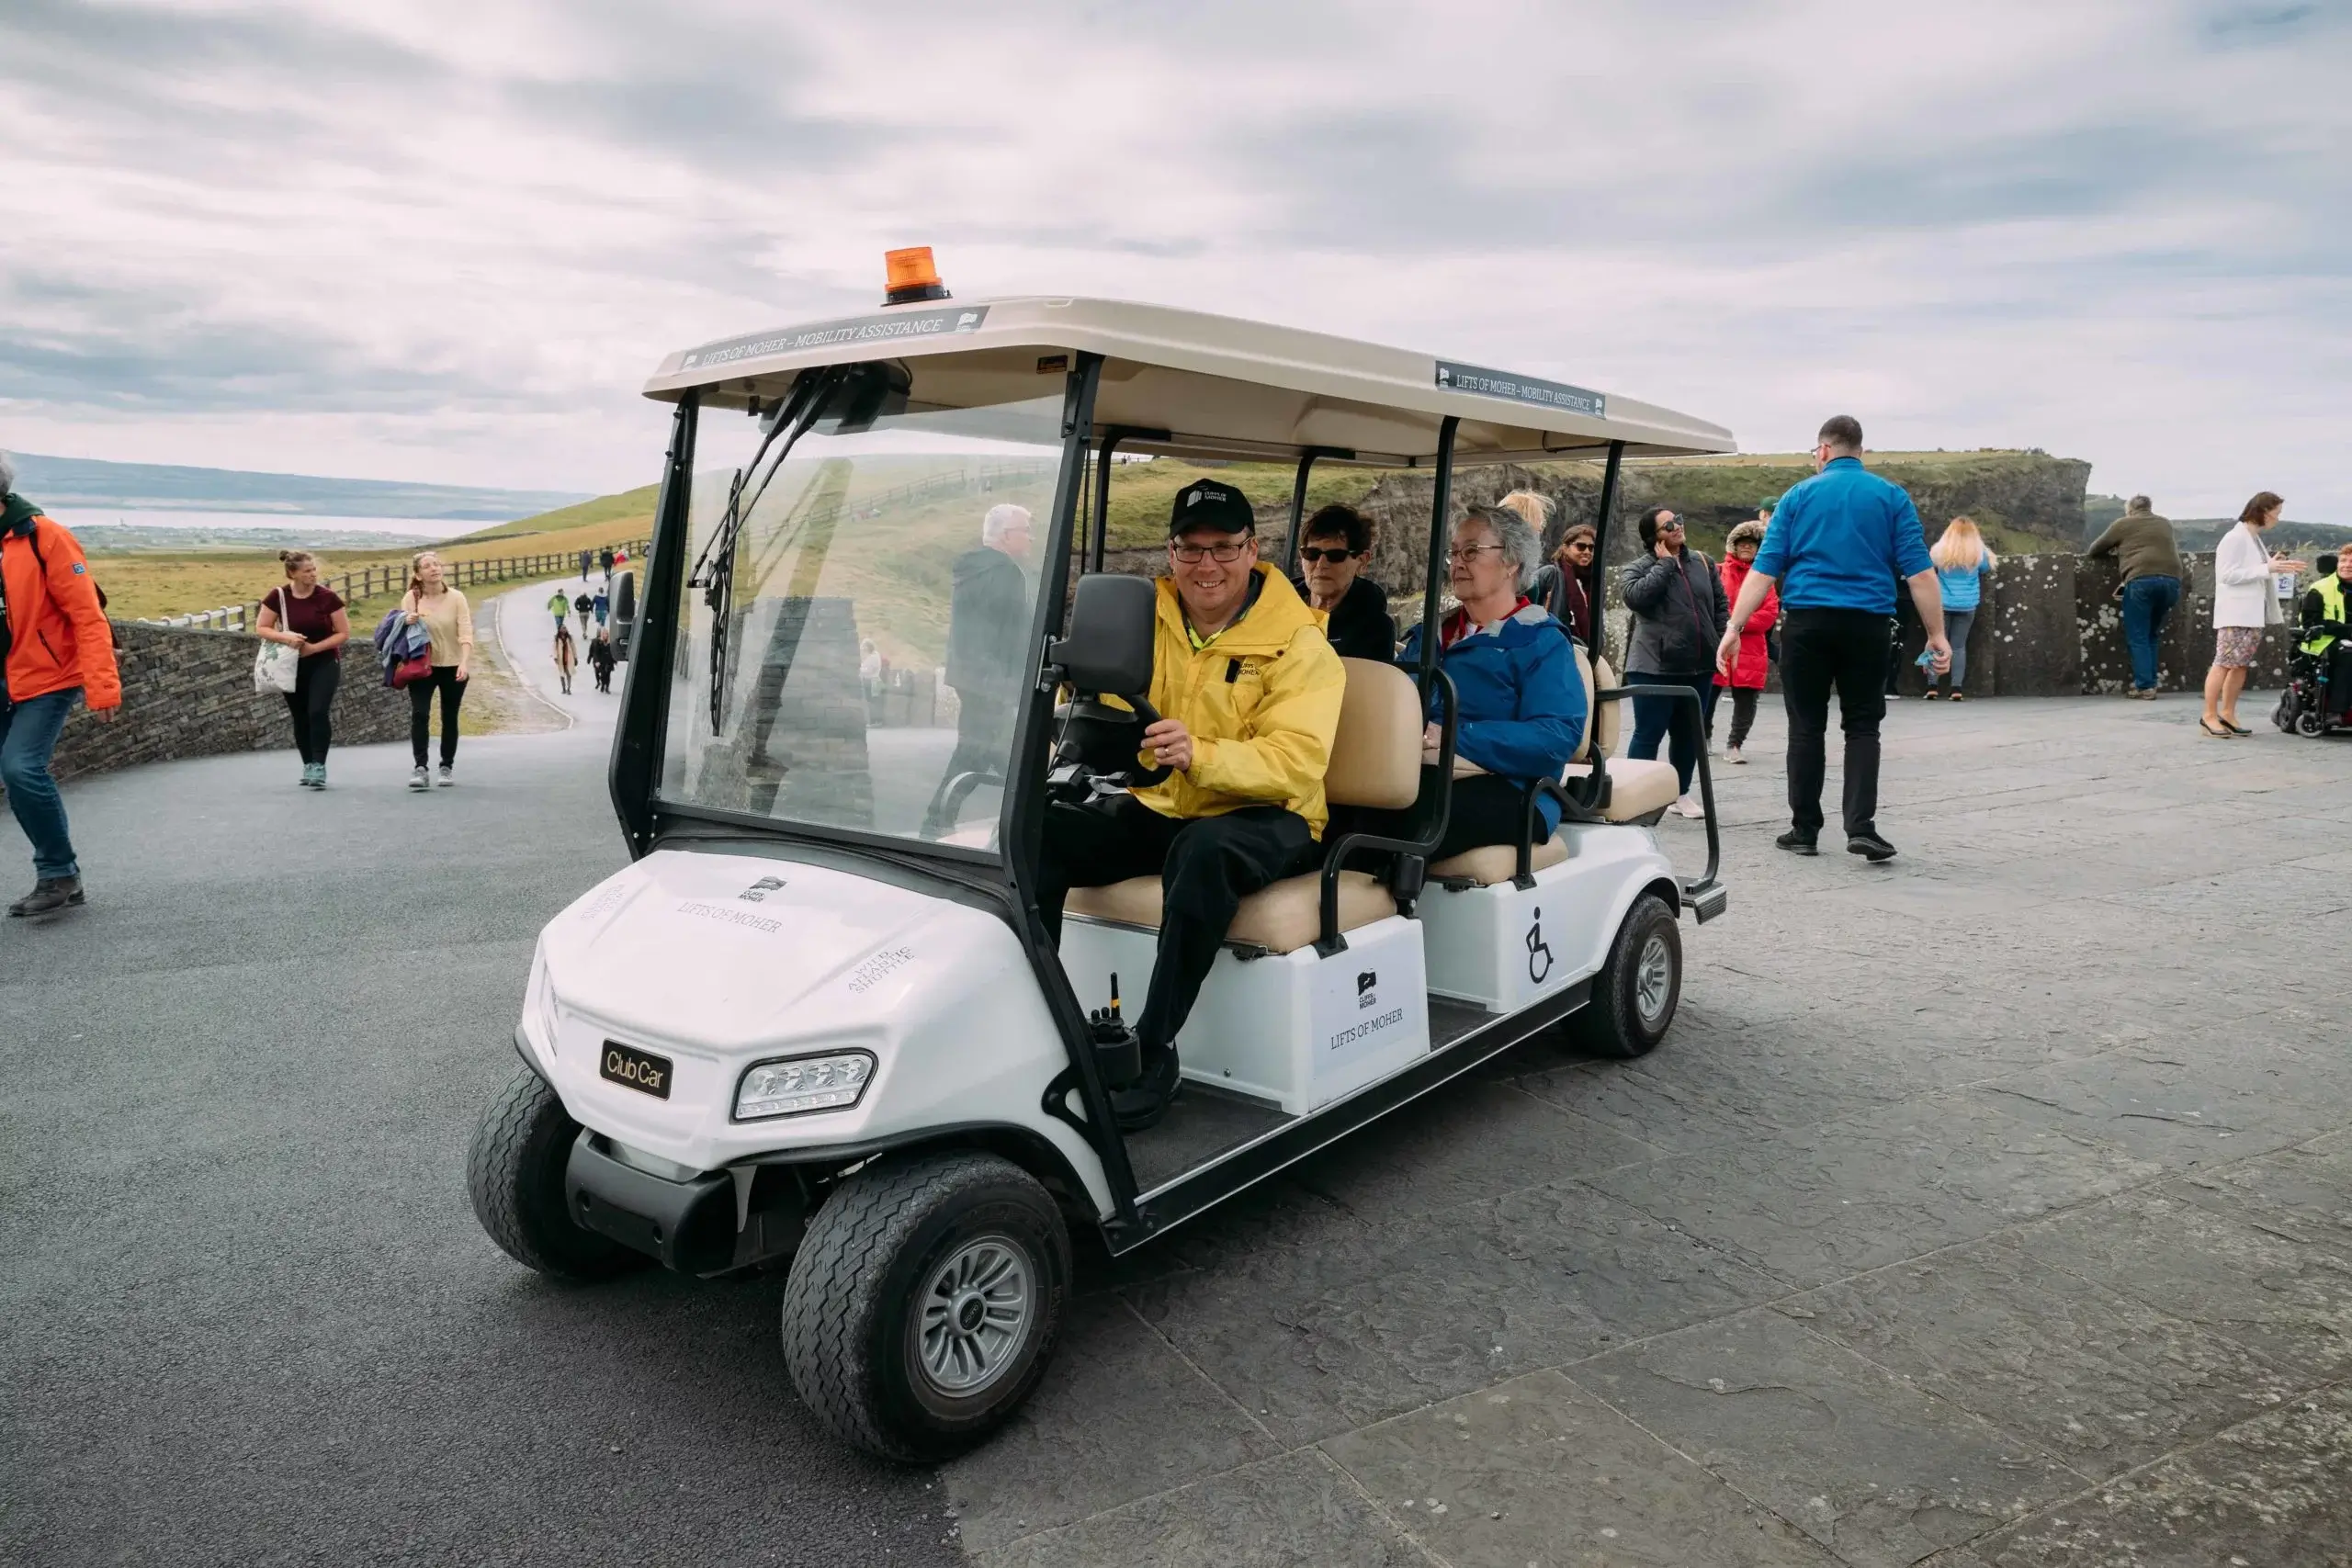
(1333, 556)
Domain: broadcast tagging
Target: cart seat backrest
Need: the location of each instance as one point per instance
(1591, 709)
(1377, 753)
(1605, 715)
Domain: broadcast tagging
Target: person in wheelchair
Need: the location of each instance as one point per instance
(2323, 620)
(1249, 694)
(1521, 712)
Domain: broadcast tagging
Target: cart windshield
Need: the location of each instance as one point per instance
(853, 641)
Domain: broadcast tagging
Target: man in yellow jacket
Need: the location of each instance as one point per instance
(1248, 690)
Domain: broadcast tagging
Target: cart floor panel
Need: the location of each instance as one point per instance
(1203, 1123)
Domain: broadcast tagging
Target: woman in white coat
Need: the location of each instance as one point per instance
(2244, 602)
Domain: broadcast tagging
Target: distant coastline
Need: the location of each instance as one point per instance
(95, 489)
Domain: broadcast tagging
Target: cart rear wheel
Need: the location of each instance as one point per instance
(1635, 994)
(514, 1175)
(2310, 723)
(2283, 715)
(924, 1302)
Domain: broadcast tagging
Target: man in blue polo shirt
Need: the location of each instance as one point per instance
(1837, 545)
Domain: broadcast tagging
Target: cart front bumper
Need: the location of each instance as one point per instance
(688, 1225)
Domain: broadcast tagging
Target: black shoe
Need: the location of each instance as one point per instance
(1870, 846)
(49, 895)
(1142, 1103)
(1798, 844)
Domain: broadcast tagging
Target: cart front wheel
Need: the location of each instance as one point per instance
(514, 1175)
(2310, 723)
(924, 1302)
(1635, 994)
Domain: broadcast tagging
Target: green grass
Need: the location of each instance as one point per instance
(627, 506)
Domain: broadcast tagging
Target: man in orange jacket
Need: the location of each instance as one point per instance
(58, 647)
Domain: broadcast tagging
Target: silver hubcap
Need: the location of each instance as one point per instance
(1653, 981)
(975, 1315)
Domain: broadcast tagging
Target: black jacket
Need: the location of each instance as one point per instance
(1680, 612)
(987, 622)
(1360, 628)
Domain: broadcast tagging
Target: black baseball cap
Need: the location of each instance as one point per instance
(1213, 505)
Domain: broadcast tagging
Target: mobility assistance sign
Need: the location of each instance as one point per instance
(898, 326)
(1520, 390)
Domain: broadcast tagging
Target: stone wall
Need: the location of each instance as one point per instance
(190, 694)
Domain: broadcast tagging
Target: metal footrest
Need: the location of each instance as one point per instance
(1705, 899)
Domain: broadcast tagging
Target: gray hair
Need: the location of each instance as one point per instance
(2140, 503)
(1521, 547)
(1001, 519)
(7, 473)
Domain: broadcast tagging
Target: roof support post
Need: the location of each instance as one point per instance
(1440, 502)
(1599, 588)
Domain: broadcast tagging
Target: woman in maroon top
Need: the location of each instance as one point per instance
(304, 616)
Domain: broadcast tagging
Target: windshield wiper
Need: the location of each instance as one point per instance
(714, 573)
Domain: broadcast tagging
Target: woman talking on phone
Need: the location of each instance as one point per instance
(309, 619)
(2244, 602)
(448, 624)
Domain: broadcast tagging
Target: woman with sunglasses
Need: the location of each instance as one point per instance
(1334, 581)
(1680, 612)
(1560, 586)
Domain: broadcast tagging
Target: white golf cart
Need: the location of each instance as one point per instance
(819, 1017)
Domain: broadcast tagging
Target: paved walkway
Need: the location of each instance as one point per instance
(1989, 1205)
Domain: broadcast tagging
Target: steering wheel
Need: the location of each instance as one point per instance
(1095, 751)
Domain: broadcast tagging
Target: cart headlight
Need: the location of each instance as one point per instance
(806, 1083)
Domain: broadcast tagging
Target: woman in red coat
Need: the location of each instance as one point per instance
(1746, 678)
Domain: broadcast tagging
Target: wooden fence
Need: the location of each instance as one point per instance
(369, 581)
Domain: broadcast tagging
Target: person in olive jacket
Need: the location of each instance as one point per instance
(1680, 612)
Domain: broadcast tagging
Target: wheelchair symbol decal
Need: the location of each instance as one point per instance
(1539, 956)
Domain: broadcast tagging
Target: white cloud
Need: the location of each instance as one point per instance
(449, 241)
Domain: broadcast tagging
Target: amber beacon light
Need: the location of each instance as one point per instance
(909, 276)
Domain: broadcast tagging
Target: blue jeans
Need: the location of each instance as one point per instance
(2146, 602)
(1657, 718)
(27, 735)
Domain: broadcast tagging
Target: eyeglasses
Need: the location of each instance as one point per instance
(1221, 553)
(1464, 553)
(1578, 544)
(1333, 556)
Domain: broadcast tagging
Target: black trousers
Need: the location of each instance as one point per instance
(419, 710)
(312, 701)
(1207, 866)
(1486, 810)
(1846, 649)
(1743, 713)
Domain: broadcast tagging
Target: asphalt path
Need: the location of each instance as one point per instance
(247, 1315)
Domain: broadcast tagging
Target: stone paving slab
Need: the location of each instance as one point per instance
(1915, 1177)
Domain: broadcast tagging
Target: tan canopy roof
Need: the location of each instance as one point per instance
(1220, 387)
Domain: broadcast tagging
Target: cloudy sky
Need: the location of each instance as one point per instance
(446, 240)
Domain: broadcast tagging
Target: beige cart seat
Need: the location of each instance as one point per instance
(1375, 762)
(1635, 789)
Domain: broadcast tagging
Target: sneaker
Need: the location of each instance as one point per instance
(1688, 806)
(314, 775)
(49, 895)
(1733, 755)
(1934, 695)
(1798, 844)
(1959, 696)
(447, 776)
(1142, 1103)
(1870, 846)
(420, 780)
(1894, 696)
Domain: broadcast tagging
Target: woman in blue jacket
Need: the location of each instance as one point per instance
(1514, 670)
(1962, 564)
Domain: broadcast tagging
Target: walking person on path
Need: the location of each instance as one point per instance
(1838, 544)
(2244, 602)
(605, 559)
(2142, 545)
(448, 623)
(1746, 678)
(600, 659)
(58, 647)
(581, 604)
(1962, 568)
(310, 619)
(559, 607)
(601, 605)
(587, 559)
(1678, 609)
(566, 658)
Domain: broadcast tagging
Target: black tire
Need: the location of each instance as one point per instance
(2313, 723)
(1633, 1003)
(514, 1175)
(2283, 715)
(853, 1313)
